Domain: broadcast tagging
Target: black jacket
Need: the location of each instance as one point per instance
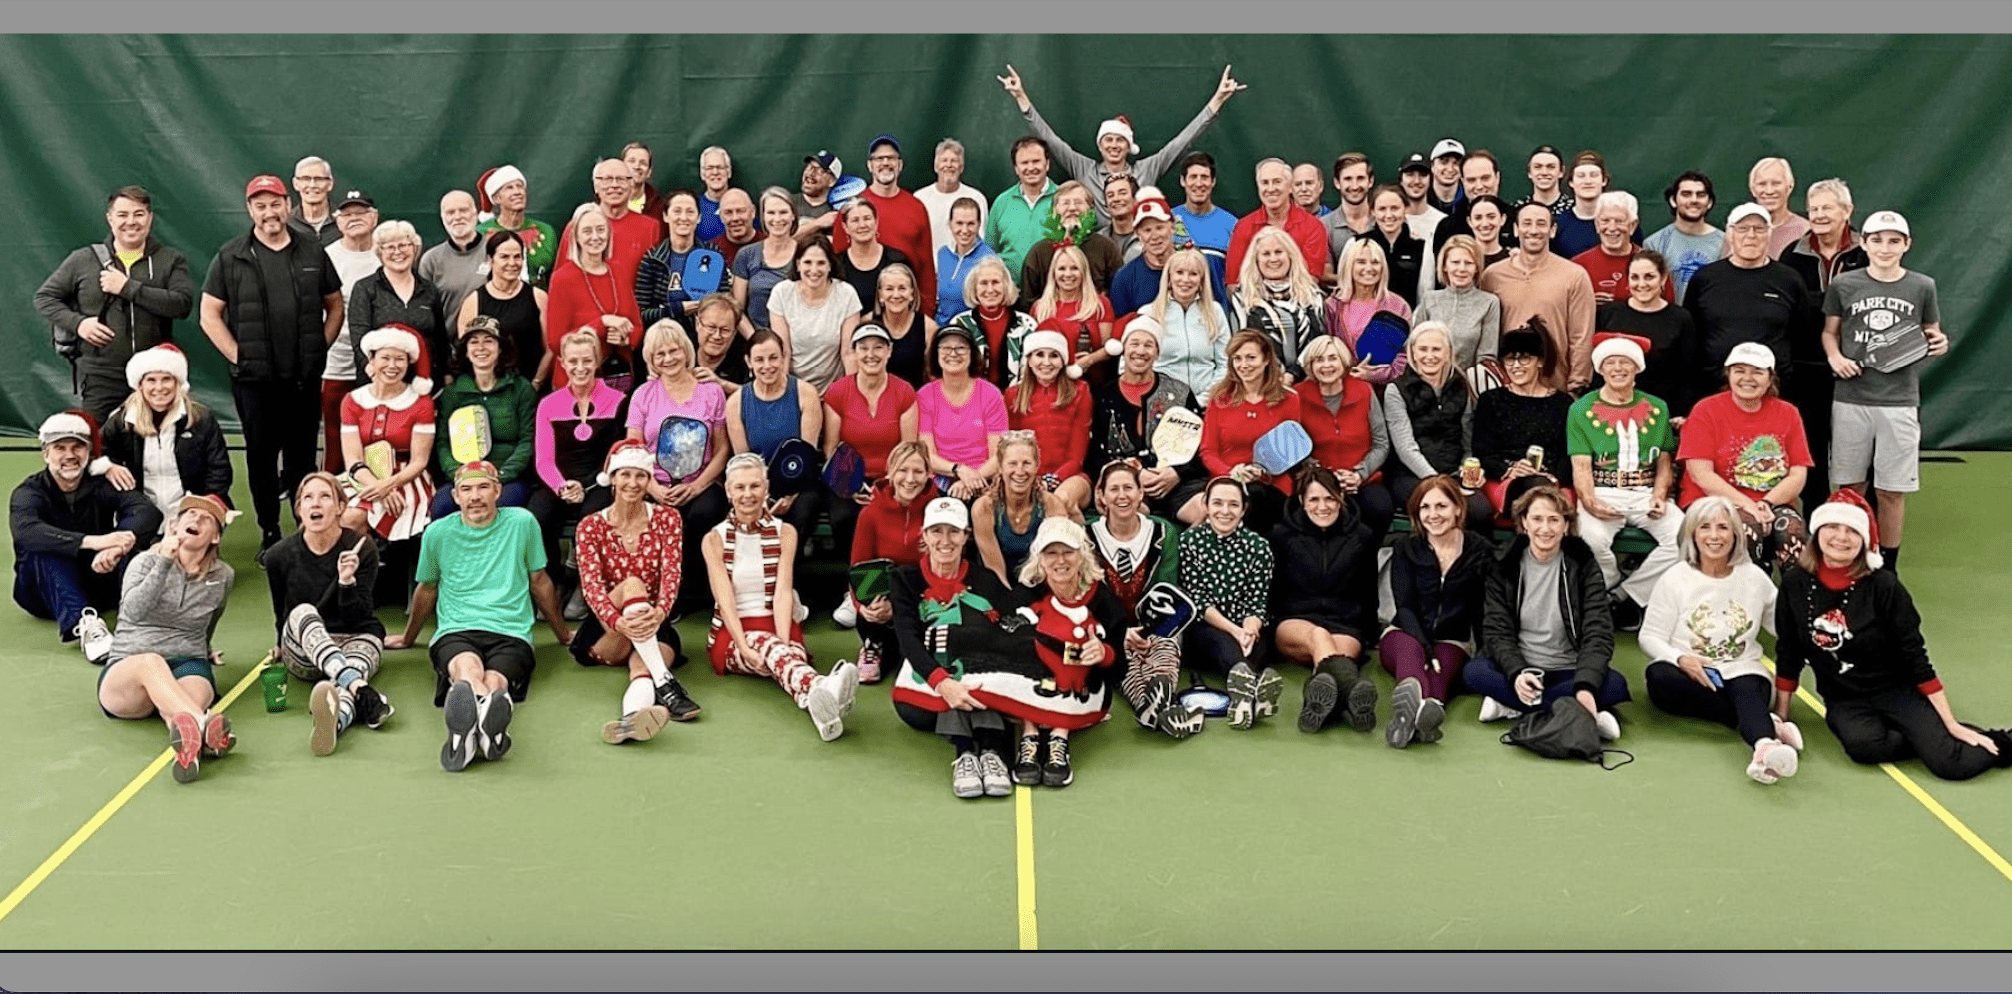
(46, 521)
(158, 293)
(1325, 575)
(265, 354)
(1120, 429)
(373, 304)
(1806, 341)
(1434, 607)
(971, 638)
(200, 454)
(1589, 619)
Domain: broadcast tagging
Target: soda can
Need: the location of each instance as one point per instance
(1470, 473)
(1536, 456)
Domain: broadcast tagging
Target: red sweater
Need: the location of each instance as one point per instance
(1609, 273)
(571, 302)
(887, 530)
(1341, 439)
(629, 238)
(1230, 432)
(904, 224)
(1304, 228)
(1064, 432)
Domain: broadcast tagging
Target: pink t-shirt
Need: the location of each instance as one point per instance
(961, 432)
(650, 405)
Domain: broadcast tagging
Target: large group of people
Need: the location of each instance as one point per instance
(1072, 439)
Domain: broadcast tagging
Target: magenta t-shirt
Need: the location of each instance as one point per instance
(960, 432)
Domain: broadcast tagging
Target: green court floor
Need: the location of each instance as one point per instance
(742, 830)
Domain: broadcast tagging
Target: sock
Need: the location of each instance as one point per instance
(962, 743)
(347, 676)
(345, 706)
(641, 694)
(1892, 555)
(651, 651)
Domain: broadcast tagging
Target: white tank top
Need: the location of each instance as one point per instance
(749, 596)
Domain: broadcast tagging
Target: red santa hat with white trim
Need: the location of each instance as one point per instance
(1849, 508)
(629, 453)
(162, 358)
(1119, 125)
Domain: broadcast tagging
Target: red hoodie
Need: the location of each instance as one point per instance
(887, 530)
(1062, 432)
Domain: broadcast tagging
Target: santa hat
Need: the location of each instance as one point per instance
(1140, 323)
(491, 181)
(163, 358)
(1619, 346)
(629, 453)
(405, 339)
(1118, 126)
(1049, 335)
(74, 423)
(1848, 507)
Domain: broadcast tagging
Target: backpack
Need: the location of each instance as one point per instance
(1563, 731)
(68, 343)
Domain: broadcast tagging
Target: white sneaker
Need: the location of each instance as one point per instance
(1787, 734)
(1609, 726)
(966, 780)
(845, 685)
(93, 636)
(1494, 710)
(846, 614)
(1772, 760)
(822, 703)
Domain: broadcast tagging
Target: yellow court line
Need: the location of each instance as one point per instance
(1915, 790)
(90, 828)
(1023, 830)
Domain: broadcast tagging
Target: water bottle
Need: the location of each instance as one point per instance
(273, 680)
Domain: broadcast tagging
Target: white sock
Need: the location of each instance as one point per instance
(641, 694)
(651, 651)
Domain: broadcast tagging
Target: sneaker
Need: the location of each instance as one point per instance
(640, 726)
(372, 707)
(869, 663)
(459, 710)
(992, 772)
(217, 737)
(1494, 710)
(1269, 687)
(1181, 720)
(822, 703)
(185, 737)
(1768, 762)
(1431, 719)
(95, 638)
(1609, 726)
(1243, 696)
(576, 606)
(1320, 694)
(671, 694)
(495, 733)
(1159, 695)
(845, 683)
(266, 541)
(846, 614)
(1057, 772)
(967, 779)
(1362, 705)
(1787, 734)
(323, 706)
(1404, 705)
(1027, 764)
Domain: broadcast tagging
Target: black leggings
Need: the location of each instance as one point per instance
(1742, 705)
(1208, 649)
(554, 515)
(965, 730)
(1901, 724)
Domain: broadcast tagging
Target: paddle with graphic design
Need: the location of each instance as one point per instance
(1282, 448)
(1210, 701)
(1382, 340)
(871, 580)
(704, 270)
(1177, 437)
(683, 447)
(381, 459)
(793, 468)
(468, 435)
(845, 471)
(1165, 610)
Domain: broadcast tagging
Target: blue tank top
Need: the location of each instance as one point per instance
(1014, 546)
(770, 423)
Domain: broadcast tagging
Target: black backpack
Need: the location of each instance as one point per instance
(68, 343)
(1565, 730)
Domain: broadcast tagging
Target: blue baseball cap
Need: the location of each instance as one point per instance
(884, 139)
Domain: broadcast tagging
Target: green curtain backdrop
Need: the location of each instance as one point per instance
(1912, 123)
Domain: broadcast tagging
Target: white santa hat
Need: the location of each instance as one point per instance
(1621, 346)
(1118, 126)
(1846, 507)
(163, 358)
(629, 453)
(402, 338)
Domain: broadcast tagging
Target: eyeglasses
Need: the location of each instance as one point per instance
(949, 350)
(314, 179)
(1518, 360)
(717, 329)
(883, 158)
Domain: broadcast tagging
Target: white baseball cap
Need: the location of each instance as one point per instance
(1879, 221)
(1747, 210)
(946, 511)
(1449, 146)
(1751, 354)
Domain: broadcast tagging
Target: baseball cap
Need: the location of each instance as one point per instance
(355, 197)
(1751, 354)
(265, 184)
(1747, 210)
(65, 424)
(1062, 531)
(871, 330)
(946, 511)
(1416, 161)
(824, 159)
(1885, 221)
(1152, 208)
(1448, 146)
(884, 139)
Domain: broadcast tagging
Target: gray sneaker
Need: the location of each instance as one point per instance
(967, 780)
(992, 770)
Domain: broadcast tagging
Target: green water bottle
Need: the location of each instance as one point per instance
(273, 680)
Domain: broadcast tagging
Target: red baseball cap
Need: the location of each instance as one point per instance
(265, 184)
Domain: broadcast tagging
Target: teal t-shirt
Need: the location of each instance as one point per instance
(484, 574)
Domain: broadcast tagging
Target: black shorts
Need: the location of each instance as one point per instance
(505, 654)
(589, 631)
